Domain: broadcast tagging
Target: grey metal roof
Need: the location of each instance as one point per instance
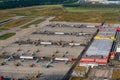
(118, 36)
(99, 48)
(107, 32)
(113, 0)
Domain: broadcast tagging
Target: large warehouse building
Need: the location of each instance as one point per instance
(99, 50)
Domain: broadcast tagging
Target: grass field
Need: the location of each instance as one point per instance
(36, 22)
(110, 15)
(3, 28)
(115, 75)
(77, 78)
(72, 14)
(5, 36)
(16, 23)
(4, 17)
(101, 10)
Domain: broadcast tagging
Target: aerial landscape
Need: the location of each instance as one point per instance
(59, 39)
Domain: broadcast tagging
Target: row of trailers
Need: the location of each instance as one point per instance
(63, 33)
(59, 43)
(99, 51)
(25, 56)
(61, 24)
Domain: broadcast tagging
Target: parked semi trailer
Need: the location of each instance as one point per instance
(26, 57)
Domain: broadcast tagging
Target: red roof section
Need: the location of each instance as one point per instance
(118, 29)
(1, 78)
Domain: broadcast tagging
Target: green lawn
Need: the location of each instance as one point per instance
(36, 22)
(75, 9)
(115, 75)
(77, 78)
(72, 14)
(16, 23)
(5, 36)
(3, 28)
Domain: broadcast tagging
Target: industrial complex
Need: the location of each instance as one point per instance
(68, 49)
(45, 51)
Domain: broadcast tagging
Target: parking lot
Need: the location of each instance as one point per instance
(24, 70)
(58, 45)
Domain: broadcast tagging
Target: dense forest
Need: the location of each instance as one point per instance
(4, 4)
(87, 5)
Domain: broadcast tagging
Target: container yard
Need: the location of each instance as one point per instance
(47, 50)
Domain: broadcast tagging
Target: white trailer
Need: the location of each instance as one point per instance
(59, 33)
(46, 43)
(77, 44)
(82, 33)
(90, 26)
(118, 49)
(88, 64)
(62, 59)
(74, 44)
(71, 44)
(26, 57)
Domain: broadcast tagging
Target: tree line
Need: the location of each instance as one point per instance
(87, 5)
(4, 4)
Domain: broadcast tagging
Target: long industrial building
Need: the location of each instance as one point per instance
(99, 50)
(116, 54)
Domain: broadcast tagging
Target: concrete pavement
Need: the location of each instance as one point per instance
(22, 33)
(19, 27)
